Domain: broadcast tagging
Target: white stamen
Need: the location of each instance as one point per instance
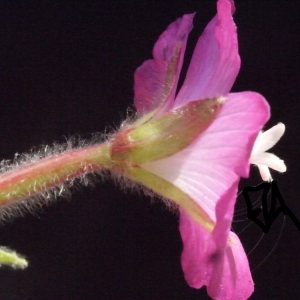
(264, 160)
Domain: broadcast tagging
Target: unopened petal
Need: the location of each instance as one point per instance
(155, 81)
(215, 62)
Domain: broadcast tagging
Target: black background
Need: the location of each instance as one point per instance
(66, 68)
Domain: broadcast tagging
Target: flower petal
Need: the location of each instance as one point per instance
(237, 271)
(194, 257)
(155, 81)
(230, 274)
(220, 155)
(215, 62)
(212, 259)
(268, 139)
(231, 278)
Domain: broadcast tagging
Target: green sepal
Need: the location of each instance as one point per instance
(165, 135)
(169, 191)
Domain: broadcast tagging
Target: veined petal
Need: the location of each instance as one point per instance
(266, 140)
(155, 81)
(236, 262)
(220, 155)
(216, 259)
(230, 275)
(215, 62)
(195, 255)
(231, 279)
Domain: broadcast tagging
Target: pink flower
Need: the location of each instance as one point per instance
(208, 169)
(190, 148)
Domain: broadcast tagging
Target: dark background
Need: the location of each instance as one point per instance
(66, 68)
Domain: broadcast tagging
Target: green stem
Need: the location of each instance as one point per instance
(37, 177)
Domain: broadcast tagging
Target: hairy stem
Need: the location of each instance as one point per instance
(37, 177)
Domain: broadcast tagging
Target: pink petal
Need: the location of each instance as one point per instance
(195, 254)
(230, 275)
(155, 81)
(211, 259)
(215, 62)
(219, 156)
